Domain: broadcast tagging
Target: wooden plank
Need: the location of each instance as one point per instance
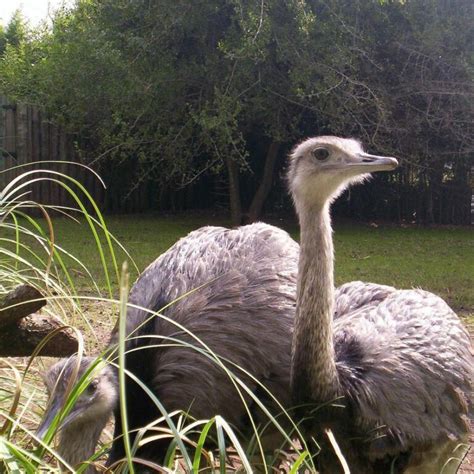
(28, 134)
(3, 101)
(36, 149)
(10, 131)
(77, 172)
(10, 141)
(68, 168)
(45, 155)
(99, 192)
(54, 151)
(21, 136)
(62, 147)
(29, 150)
(89, 182)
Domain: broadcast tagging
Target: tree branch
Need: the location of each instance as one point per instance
(22, 338)
(20, 302)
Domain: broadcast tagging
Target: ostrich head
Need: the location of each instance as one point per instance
(322, 167)
(80, 429)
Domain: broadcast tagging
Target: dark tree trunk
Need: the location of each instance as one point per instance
(234, 192)
(266, 182)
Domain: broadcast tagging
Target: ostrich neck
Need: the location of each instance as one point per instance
(314, 374)
(77, 444)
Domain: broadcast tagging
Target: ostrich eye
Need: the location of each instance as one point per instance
(321, 154)
(91, 388)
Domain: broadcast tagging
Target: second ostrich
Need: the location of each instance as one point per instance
(398, 370)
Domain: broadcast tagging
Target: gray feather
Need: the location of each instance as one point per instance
(243, 304)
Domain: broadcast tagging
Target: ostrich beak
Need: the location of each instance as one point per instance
(55, 412)
(366, 163)
(48, 419)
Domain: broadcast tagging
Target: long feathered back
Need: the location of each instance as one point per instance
(400, 363)
(237, 290)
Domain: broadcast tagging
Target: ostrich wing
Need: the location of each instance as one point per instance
(407, 368)
(357, 294)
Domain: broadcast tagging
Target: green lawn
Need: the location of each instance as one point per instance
(438, 259)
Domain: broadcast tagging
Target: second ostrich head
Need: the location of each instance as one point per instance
(80, 429)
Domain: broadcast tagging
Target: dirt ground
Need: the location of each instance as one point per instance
(468, 463)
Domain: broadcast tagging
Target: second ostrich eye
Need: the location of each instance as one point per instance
(91, 388)
(321, 154)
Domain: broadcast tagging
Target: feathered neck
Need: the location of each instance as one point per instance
(314, 374)
(78, 444)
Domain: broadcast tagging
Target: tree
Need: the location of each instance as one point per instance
(176, 91)
(16, 31)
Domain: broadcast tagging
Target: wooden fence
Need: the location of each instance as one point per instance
(30, 142)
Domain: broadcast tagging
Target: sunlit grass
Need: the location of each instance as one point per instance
(440, 260)
(437, 259)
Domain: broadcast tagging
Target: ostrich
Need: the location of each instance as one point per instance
(240, 288)
(399, 369)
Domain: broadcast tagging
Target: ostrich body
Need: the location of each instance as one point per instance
(238, 297)
(400, 365)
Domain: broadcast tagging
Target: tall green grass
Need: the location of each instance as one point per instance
(30, 254)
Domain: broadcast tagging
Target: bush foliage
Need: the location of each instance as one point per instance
(184, 93)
